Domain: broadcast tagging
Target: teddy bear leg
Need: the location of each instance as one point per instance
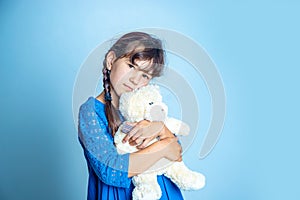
(146, 187)
(185, 178)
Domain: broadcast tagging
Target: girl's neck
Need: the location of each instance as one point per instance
(100, 97)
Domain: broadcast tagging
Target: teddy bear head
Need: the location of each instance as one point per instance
(143, 103)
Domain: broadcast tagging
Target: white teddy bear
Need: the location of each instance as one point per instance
(146, 103)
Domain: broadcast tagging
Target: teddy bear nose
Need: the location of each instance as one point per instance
(157, 113)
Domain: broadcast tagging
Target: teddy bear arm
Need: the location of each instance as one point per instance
(185, 178)
(146, 187)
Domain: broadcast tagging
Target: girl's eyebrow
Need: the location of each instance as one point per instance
(139, 68)
(145, 71)
(130, 63)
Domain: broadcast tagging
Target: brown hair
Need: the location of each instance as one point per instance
(135, 46)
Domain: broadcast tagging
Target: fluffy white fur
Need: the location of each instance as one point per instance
(146, 103)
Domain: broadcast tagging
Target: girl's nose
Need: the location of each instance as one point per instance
(135, 78)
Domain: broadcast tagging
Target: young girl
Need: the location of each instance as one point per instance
(129, 64)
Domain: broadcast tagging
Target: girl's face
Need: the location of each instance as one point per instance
(125, 76)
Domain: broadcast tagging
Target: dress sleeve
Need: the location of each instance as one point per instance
(110, 167)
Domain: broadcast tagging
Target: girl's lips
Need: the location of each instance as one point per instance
(128, 87)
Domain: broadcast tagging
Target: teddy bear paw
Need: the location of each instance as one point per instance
(146, 193)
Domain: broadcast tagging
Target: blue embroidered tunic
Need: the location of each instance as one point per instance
(108, 170)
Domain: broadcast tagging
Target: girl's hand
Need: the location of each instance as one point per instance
(172, 150)
(145, 131)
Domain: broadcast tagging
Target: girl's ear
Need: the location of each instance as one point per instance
(110, 58)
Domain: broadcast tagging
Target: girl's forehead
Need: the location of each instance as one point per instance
(143, 65)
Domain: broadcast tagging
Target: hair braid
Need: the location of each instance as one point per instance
(112, 115)
(106, 84)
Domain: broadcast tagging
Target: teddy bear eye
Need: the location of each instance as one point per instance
(150, 103)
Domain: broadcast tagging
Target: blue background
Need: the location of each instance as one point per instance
(255, 45)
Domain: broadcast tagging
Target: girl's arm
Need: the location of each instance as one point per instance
(142, 160)
(99, 150)
(111, 167)
(143, 132)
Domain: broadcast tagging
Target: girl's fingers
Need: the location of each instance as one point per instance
(137, 130)
(139, 141)
(179, 159)
(130, 134)
(144, 143)
(138, 134)
(132, 142)
(136, 139)
(131, 123)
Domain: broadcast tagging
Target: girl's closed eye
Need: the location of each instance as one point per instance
(146, 76)
(131, 66)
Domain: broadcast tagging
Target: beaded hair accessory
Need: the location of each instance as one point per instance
(107, 97)
(106, 84)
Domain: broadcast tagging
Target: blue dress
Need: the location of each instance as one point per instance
(108, 171)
